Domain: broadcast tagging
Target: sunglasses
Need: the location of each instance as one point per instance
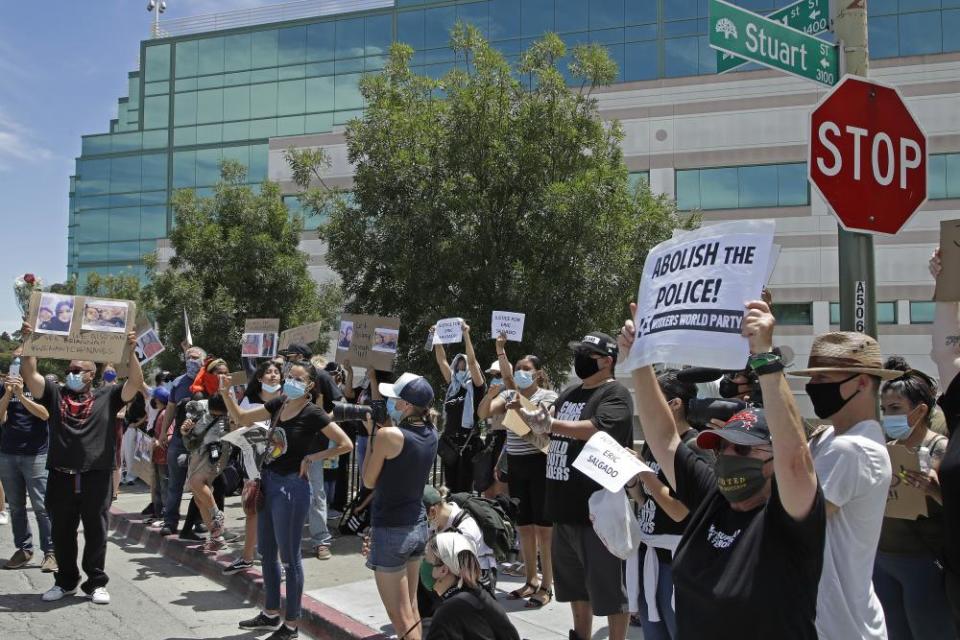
(742, 449)
(76, 370)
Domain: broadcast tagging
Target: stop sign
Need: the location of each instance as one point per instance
(868, 156)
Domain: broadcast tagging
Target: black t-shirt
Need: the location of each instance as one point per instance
(568, 491)
(453, 407)
(949, 473)
(294, 439)
(743, 575)
(23, 433)
(136, 410)
(652, 519)
(471, 615)
(327, 388)
(88, 442)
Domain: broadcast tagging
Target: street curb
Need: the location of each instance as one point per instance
(317, 618)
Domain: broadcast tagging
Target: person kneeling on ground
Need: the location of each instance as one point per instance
(466, 610)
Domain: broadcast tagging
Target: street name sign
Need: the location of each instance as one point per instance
(772, 44)
(810, 16)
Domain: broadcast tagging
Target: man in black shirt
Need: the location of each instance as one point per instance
(80, 460)
(587, 576)
(749, 562)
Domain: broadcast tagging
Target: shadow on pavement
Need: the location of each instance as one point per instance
(210, 600)
(32, 603)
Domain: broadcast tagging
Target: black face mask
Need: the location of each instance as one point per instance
(585, 366)
(826, 397)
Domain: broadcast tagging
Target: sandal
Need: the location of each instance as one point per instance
(538, 603)
(525, 591)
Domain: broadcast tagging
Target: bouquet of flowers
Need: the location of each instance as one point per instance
(23, 288)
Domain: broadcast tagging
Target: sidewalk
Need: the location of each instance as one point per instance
(340, 596)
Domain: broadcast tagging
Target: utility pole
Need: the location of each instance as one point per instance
(858, 289)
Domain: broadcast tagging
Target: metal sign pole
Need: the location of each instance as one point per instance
(855, 250)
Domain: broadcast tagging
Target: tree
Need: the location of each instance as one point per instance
(121, 287)
(237, 257)
(485, 190)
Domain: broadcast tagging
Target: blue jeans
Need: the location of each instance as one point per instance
(176, 477)
(330, 486)
(319, 533)
(24, 475)
(279, 527)
(911, 590)
(666, 628)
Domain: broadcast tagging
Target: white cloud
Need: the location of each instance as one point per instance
(17, 144)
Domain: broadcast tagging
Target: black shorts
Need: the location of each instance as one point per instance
(527, 479)
(583, 570)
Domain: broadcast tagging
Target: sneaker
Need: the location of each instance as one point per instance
(190, 536)
(4, 517)
(214, 544)
(56, 593)
(237, 566)
(262, 621)
(49, 564)
(18, 559)
(216, 525)
(100, 596)
(322, 552)
(166, 531)
(284, 633)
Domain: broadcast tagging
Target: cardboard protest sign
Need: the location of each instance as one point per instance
(605, 462)
(59, 335)
(515, 423)
(304, 334)
(509, 323)
(948, 284)
(368, 341)
(691, 300)
(260, 337)
(448, 331)
(903, 499)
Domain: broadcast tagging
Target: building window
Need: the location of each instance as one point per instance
(918, 27)
(943, 175)
(636, 177)
(793, 313)
(921, 312)
(886, 313)
(772, 185)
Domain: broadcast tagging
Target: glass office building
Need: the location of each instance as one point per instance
(209, 90)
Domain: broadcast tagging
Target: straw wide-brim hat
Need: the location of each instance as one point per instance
(846, 351)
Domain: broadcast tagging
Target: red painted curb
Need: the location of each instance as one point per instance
(317, 619)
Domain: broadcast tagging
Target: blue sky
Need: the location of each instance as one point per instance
(64, 65)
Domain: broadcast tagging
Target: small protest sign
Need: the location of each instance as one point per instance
(60, 336)
(509, 323)
(368, 341)
(692, 293)
(904, 500)
(260, 337)
(604, 461)
(513, 421)
(948, 284)
(448, 331)
(304, 334)
(148, 346)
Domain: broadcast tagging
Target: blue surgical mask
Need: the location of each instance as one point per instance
(109, 376)
(523, 379)
(293, 388)
(395, 414)
(496, 382)
(270, 388)
(193, 368)
(463, 376)
(896, 427)
(75, 381)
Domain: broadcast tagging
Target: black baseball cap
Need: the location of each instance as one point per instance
(747, 427)
(597, 342)
(300, 349)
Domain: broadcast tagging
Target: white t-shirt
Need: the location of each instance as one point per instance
(854, 472)
(471, 530)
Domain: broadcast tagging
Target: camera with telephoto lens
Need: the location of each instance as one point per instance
(700, 411)
(344, 411)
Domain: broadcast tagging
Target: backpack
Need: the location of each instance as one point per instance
(497, 529)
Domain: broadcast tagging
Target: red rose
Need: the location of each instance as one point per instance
(29, 278)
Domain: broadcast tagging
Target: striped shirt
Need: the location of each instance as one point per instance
(517, 446)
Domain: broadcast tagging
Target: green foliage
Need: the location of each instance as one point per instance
(491, 188)
(237, 257)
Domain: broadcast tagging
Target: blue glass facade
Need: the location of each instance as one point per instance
(200, 98)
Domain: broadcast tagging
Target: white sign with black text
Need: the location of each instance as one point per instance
(448, 331)
(692, 294)
(607, 463)
(508, 323)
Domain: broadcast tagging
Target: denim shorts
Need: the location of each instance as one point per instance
(391, 548)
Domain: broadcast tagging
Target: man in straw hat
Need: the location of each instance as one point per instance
(845, 371)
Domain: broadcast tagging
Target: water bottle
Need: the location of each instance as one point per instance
(923, 455)
(14, 367)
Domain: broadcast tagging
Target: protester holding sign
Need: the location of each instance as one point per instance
(527, 477)
(587, 575)
(749, 561)
(465, 381)
(81, 461)
(906, 575)
(946, 355)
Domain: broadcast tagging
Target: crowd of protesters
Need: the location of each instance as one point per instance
(759, 524)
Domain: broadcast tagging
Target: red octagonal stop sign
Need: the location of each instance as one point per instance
(868, 156)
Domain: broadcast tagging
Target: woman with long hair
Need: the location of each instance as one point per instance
(298, 437)
(401, 453)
